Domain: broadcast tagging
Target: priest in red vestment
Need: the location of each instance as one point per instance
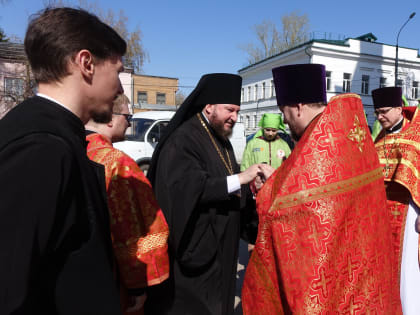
(138, 228)
(398, 147)
(389, 110)
(324, 237)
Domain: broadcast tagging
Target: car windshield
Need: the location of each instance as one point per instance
(138, 129)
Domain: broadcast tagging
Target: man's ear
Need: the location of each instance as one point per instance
(208, 109)
(110, 124)
(299, 108)
(85, 63)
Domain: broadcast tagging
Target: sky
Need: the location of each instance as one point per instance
(188, 38)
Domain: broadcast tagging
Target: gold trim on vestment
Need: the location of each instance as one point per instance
(403, 162)
(151, 242)
(316, 193)
(400, 141)
(345, 96)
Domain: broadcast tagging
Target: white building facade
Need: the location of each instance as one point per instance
(354, 65)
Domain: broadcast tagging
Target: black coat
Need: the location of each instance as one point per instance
(55, 247)
(204, 222)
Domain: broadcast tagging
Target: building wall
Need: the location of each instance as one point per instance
(153, 85)
(356, 57)
(10, 70)
(126, 82)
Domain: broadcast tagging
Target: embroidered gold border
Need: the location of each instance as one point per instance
(410, 142)
(344, 96)
(403, 162)
(316, 193)
(152, 241)
(158, 280)
(402, 141)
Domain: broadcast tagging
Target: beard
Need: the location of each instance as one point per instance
(294, 136)
(219, 126)
(101, 117)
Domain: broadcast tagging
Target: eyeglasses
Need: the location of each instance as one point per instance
(382, 112)
(127, 116)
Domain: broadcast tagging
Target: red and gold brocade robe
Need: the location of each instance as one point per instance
(324, 237)
(399, 155)
(138, 227)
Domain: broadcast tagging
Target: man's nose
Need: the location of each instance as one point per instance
(234, 116)
(120, 88)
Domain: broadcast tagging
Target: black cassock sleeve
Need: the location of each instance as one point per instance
(249, 216)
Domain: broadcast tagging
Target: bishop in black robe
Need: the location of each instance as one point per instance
(205, 221)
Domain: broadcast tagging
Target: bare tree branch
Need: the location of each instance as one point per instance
(294, 31)
(136, 54)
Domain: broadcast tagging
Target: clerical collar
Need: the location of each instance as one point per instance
(396, 128)
(205, 117)
(53, 100)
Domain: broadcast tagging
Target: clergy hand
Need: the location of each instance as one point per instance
(259, 182)
(266, 171)
(249, 174)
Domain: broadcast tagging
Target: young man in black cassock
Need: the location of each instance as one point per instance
(198, 186)
(55, 245)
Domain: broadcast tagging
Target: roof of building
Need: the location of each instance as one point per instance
(12, 51)
(153, 76)
(369, 37)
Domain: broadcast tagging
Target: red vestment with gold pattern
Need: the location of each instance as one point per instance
(138, 227)
(324, 237)
(399, 155)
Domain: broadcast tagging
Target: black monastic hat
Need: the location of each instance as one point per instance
(213, 88)
(300, 83)
(387, 97)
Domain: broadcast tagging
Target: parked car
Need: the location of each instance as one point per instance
(146, 130)
(143, 136)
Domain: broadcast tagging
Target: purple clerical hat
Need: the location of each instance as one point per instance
(387, 97)
(302, 83)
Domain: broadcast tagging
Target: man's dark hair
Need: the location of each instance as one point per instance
(55, 35)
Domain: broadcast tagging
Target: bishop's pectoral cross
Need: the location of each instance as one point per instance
(387, 168)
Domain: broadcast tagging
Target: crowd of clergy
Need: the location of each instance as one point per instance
(331, 212)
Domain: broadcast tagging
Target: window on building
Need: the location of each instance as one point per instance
(160, 98)
(263, 91)
(328, 77)
(249, 94)
(400, 83)
(247, 121)
(256, 92)
(242, 94)
(415, 90)
(272, 89)
(14, 87)
(142, 97)
(255, 121)
(365, 84)
(346, 82)
(382, 82)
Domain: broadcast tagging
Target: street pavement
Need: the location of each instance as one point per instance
(242, 263)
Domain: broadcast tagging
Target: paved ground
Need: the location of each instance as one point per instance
(242, 262)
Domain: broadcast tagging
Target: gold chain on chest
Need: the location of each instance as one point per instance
(228, 166)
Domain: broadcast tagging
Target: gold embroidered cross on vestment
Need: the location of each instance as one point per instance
(357, 134)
